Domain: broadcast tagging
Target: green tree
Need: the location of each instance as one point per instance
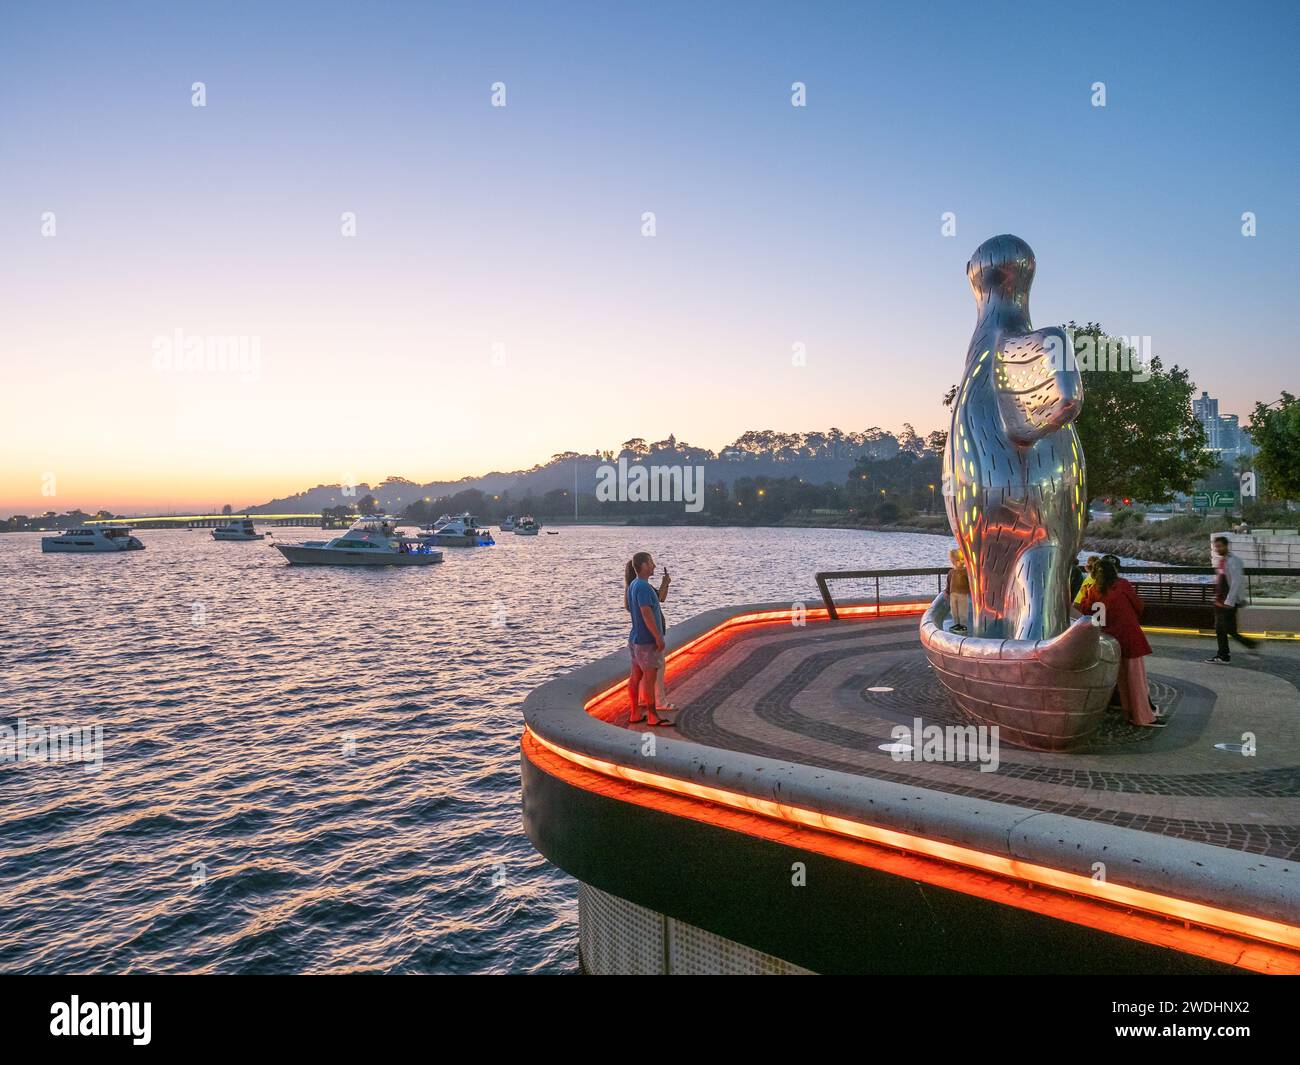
(1275, 428)
(1139, 437)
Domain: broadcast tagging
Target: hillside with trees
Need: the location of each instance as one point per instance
(818, 458)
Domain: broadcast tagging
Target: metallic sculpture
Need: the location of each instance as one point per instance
(1013, 486)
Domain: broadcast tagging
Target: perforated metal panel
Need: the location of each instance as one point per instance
(617, 937)
(620, 938)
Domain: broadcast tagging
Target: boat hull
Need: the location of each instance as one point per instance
(303, 555)
(525, 532)
(455, 540)
(241, 537)
(1043, 695)
(50, 546)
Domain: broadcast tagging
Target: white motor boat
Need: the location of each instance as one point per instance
(526, 526)
(508, 525)
(372, 541)
(92, 538)
(464, 531)
(237, 529)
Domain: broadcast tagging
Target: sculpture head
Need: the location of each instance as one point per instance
(1001, 271)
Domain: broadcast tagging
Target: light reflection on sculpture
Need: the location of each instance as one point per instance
(1014, 490)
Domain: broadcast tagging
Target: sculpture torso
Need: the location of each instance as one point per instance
(1013, 469)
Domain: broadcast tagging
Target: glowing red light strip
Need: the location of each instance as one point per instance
(1166, 906)
(780, 616)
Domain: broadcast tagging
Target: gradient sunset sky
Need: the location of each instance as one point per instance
(522, 226)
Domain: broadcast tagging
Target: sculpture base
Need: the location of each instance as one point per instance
(1043, 695)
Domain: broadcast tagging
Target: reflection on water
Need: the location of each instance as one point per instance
(316, 769)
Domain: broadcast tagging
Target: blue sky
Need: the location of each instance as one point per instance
(520, 226)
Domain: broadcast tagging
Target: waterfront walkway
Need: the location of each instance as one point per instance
(829, 696)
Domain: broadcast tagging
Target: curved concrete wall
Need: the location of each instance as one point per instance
(1245, 883)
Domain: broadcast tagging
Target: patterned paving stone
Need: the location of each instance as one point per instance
(803, 694)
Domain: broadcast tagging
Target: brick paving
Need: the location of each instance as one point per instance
(803, 694)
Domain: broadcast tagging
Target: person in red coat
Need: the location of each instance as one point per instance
(1120, 616)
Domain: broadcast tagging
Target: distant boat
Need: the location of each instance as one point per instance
(508, 525)
(526, 526)
(92, 538)
(372, 541)
(464, 531)
(237, 529)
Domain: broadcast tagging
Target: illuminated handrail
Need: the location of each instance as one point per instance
(826, 576)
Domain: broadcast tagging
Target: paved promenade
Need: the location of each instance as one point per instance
(829, 696)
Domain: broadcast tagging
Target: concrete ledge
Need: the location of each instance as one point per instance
(1189, 870)
(901, 916)
(1275, 615)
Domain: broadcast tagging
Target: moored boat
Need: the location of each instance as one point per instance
(237, 529)
(527, 526)
(371, 541)
(462, 531)
(92, 538)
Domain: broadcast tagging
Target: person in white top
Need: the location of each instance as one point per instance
(1229, 594)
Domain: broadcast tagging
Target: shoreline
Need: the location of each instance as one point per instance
(1175, 552)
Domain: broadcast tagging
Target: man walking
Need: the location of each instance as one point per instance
(1230, 590)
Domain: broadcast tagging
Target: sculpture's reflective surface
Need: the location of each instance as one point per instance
(1014, 489)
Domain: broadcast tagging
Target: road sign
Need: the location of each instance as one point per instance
(1213, 500)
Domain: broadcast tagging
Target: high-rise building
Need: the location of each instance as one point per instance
(1223, 433)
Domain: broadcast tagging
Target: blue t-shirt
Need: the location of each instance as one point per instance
(639, 594)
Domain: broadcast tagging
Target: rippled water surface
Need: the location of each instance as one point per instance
(317, 769)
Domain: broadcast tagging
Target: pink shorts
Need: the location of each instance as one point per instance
(646, 656)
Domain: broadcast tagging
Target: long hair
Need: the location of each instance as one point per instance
(1106, 574)
(629, 573)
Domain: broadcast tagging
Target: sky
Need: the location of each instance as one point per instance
(500, 302)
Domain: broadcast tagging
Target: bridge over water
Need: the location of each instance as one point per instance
(209, 521)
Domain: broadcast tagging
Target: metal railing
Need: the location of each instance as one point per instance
(916, 580)
(1205, 575)
(877, 575)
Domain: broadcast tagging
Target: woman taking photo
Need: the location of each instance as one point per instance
(646, 641)
(1120, 617)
